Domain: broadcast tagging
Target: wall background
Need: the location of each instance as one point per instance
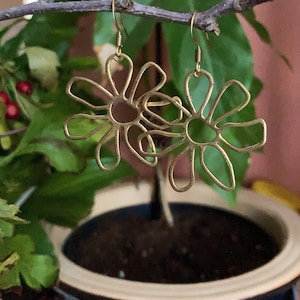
(279, 102)
(9, 3)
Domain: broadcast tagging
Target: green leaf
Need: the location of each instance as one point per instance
(92, 178)
(10, 48)
(27, 106)
(43, 64)
(53, 31)
(45, 135)
(240, 164)
(60, 153)
(65, 210)
(8, 272)
(6, 230)
(8, 217)
(263, 33)
(65, 190)
(256, 88)
(5, 142)
(21, 174)
(81, 63)
(10, 278)
(39, 236)
(8, 213)
(260, 29)
(37, 270)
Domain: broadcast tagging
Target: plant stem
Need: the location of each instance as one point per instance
(25, 196)
(206, 20)
(159, 202)
(12, 132)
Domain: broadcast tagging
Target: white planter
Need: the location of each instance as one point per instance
(279, 221)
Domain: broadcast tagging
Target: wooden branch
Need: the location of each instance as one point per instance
(206, 20)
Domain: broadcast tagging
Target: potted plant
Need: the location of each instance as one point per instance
(54, 179)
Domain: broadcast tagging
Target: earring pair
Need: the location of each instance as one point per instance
(195, 133)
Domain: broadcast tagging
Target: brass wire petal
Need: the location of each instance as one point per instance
(84, 116)
(108, 67)
(115, 132)
(238, 108)
(201, 73)
(78, 99)
(211, 175)
(153, 119)
(150, 143)
(166, 100)
(139, 76)
(191, 152)
(164, 134)
(249, 148)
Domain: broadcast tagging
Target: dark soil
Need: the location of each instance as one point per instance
(206, 244)
(29, 294)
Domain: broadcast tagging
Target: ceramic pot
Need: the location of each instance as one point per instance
(279, 221)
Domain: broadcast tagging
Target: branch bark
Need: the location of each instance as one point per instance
(206, 20)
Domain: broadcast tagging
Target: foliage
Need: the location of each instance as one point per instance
(63, 172)
(8, 217)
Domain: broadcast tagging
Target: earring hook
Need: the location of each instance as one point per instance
(192, 23)
(119, 26)
(113, 9)
(198, 53)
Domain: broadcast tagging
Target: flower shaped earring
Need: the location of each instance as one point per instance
(140, 115)
(109, 118)
(189, 142)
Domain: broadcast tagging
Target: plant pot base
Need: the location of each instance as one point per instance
(288, 293)
(277, 220)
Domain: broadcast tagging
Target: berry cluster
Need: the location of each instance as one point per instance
(12, 109)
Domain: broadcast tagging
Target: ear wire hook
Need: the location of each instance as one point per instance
(113, 9)
(192, 23)
(198, 53)
(119, 27)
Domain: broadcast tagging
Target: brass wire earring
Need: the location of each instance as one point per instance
(193, 146)
(111, 127)
(121, 99)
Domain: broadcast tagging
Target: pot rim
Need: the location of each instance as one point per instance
(274, 217)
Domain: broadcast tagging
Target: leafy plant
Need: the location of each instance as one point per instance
(35, 153)
(62, 175)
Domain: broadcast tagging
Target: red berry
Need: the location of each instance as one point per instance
(4, 97)
(24, 87)
(12, 111)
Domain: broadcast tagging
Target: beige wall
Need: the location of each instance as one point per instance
(6, 4)
(9, 3)
(279, 103)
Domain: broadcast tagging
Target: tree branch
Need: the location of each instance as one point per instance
(206, 21)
